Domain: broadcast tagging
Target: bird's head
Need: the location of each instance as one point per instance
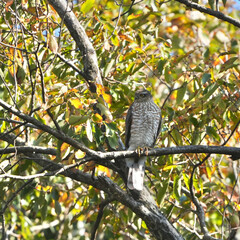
(142, 95)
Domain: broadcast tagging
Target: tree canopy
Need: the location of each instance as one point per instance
(68, 74)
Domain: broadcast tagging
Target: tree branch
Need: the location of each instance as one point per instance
(91, 69)
(28, 149)
(56, 133)
(102, 205)
(234, 152)
(209, 11)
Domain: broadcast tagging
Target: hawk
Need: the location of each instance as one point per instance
(143, 123)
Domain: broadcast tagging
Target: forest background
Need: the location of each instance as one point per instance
(68, 73)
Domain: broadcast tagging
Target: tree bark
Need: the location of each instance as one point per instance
(91, 70)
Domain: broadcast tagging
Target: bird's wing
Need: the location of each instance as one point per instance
(128, 124)
(159, 128)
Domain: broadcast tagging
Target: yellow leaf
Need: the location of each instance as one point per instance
(97, 117)
(64, 146)
(169, 167)
(80, 154)
(104, 169)
(76, 103)
(107, 98)
(44, 189)
(87, 6)
(101, 92)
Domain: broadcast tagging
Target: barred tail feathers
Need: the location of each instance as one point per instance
(136, 173)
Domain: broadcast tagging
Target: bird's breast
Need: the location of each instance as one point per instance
(144, 126)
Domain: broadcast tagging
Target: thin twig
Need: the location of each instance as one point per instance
(132, 3)
(102, 205)
(209, 11)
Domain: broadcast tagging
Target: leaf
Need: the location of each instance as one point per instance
(104, 110)
(111, 135)
(114, 40)
(209, 91)
(211, 131)
(52, 43)
(161, 64)
(224, 2)
(87, 6)
(177, 136)
(8, 4)
(89, 131)
(181, 92)
(76, 120)
(186, 179)
(58, 208)
(211, 3)
(79, 154)
(229, 64)
(104, 170)
(162, 191)
(206, 77)
(177, 188)
(76, 103)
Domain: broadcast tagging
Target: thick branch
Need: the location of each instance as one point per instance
(158, 224)
(209, 11)
(91, 69)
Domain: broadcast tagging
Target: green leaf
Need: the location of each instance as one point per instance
(76, 120)
(209, 91)
(229, 64)
(58, 208)
(211, 131)
(87, 6)
(224, 2)
(211, 3)
(43, 209)
(177, 136)
(177, 187)
(181, 92)
(186, 179)
(161, 64)
(206, 77)
(162, 189)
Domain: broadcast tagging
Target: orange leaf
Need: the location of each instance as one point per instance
(101, 91)
(89, 166)
(220, 60)
(125, 37)
(63, 197)
(8, 4)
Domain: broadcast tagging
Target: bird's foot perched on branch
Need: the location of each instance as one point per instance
(140, 150)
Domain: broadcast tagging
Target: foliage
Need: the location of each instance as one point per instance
(189, 61)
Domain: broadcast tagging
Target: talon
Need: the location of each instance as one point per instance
(139, 151)
(146, 149)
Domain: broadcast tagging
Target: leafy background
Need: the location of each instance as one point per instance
(190, 63)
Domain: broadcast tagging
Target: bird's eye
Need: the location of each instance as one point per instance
(142, 95)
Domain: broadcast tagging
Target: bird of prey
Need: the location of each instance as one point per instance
(143, 123)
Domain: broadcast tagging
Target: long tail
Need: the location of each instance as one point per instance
(136, 173)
